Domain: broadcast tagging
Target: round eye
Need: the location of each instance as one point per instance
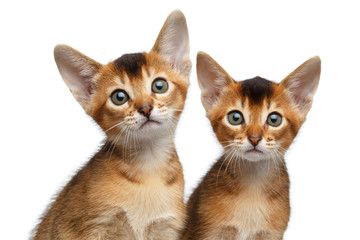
(274, 119)
(159, 86)
(235, 118)
(119, 97)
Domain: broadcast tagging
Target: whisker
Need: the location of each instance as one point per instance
(229, 157)
(277, 159)
(134, 141)
(173, 121)
(273, 160)
(236, 160)
(232, 158)
(217, 175)
(130, 142)
(137, 141)
(116, 141)
(114, 126)
(281, 157)
(125, 146)
(168, 128)
(227, 165)
(230, 145)
(112, 147)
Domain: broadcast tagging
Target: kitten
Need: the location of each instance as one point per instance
(133, 187)
(245, 195)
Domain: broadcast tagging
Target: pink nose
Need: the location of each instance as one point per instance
(254, 140)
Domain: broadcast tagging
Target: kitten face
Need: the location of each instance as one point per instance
(138, 96)
(145, 102)
(255, 127)
(256, 119)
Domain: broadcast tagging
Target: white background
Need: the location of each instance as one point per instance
(46, 136)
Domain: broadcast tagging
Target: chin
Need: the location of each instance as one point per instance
(254, 156)
(152, 130)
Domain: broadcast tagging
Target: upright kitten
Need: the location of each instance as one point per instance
(245, 195)
(133, 187)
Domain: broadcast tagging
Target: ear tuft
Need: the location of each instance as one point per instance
(173, 42)
(303, 82)
(212, 78)
(78, 72)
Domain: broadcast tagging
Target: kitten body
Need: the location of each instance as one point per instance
(133, 187)
(245, 194)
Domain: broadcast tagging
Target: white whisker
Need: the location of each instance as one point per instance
(231, 158)
(126, 142)
(230, 145)
(113, 126)
(115, 142)
(217, 175)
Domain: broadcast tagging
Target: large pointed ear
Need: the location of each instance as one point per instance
(173, 42)
(303, 82)
(212, 79)
(78, 72)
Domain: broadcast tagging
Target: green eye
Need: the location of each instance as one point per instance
(119, 97)
(159, 86)
(235, 118)
(274, 119)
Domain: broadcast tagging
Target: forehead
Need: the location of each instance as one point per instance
(256, 90)
(131, 69)
(252, 94)
(136, 67)
(131, 64)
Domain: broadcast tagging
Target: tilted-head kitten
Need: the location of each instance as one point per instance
(133, 187)
(245, 195)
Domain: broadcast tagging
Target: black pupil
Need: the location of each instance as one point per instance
(236, 117)
(159, 85)
(273, 118)
(120, 96)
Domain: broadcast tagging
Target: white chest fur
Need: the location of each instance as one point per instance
(250, 213)
(143, 204)
(150, 202)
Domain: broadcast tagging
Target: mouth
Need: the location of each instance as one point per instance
(254, 150)
(149, 123)
(254, 155)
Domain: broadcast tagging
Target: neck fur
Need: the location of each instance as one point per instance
(144, 151)
(252, 171)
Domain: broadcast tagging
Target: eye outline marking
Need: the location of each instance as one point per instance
(119, 91)
(274, 125)
(235, 111)
(159, 79)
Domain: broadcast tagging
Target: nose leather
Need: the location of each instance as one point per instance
(254, 140)
(145, 110)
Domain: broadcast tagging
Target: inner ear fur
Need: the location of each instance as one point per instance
(78, 72)
(303, 82)
(212, 79)
(173, 43)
